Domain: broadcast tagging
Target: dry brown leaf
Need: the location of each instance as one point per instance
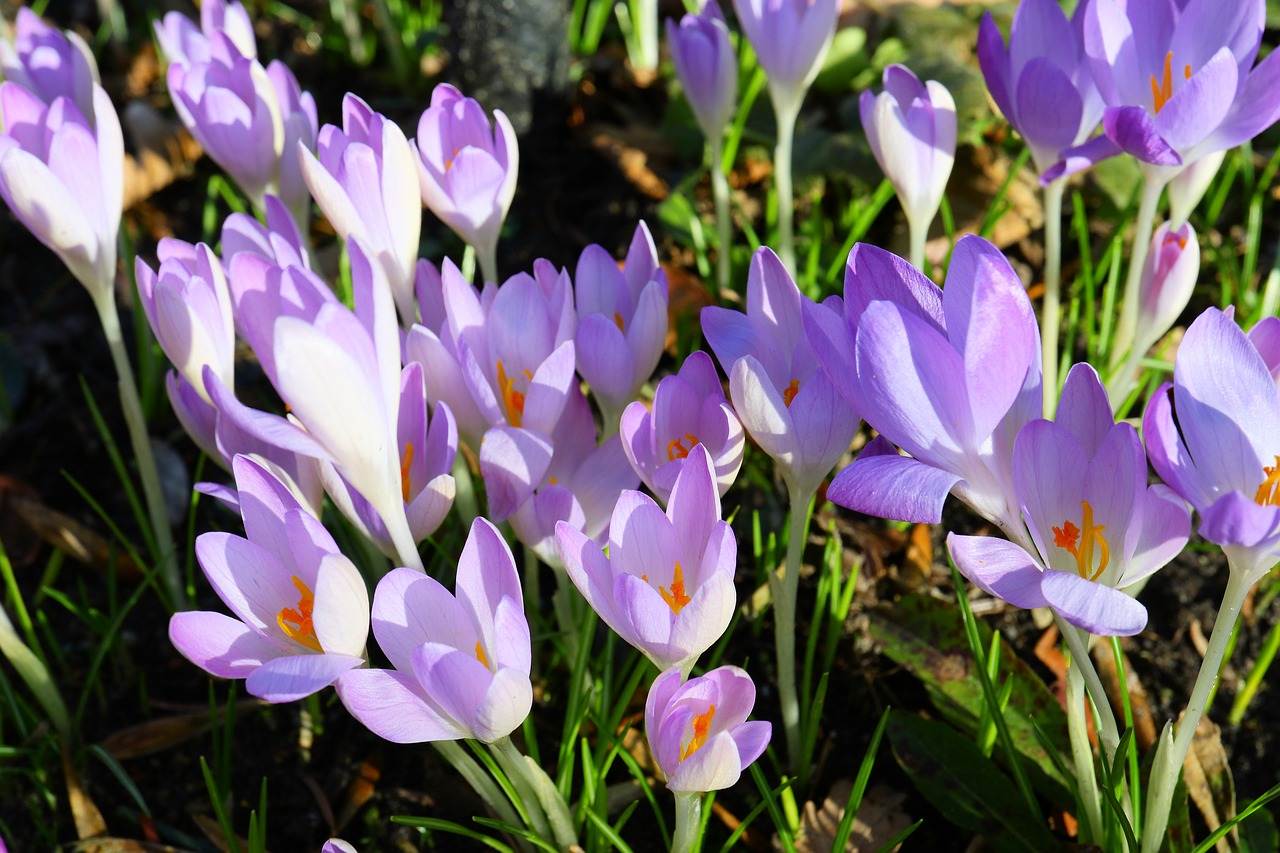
(79, 542)
(880, 817)
(213, 832)
(631, 152)
(1144, 726)
(160, 734)
(917, 563)
(165, 152)
(1208, 779)
(89, 821)
(360, 790)
(121, 845)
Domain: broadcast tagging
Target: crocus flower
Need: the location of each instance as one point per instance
(365, 183)
(279, 241)
(337, 845)
(949, 375)
(790, 38)
(189, 308)
(301, 609)
(707, 67)
(1041, 81)
(467, 172)
(622, 322)
(698, 731)
(689, 409)
(581, 485)
(1178, 80)
(912, 130)
(183, 42)
(461, 663)
(63, 177)
(1095, 525)
(1214, 436)
(1168, 277)
(667, 585)
(788, 406)
(426, 448)
(50, 63)
(243, 115)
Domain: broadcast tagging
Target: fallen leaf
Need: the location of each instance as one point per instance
(880, 817)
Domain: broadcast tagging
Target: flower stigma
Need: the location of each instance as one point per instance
(1269, 492)
(512, 400)
(701, 726)
(406, 460)
(676, 598)
(1079, 542)
(297, 624)
(789, 395)
(676, 450)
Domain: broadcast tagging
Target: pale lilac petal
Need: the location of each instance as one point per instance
(1000, 568)
(410, 608)
(1166, 525)
(1234, 519)
(220, 645)
(287, 679)
(506, 704)
(716, 765)
(486, 572)
(1095, 607)
(589, 570)
(1084, 409)
(391, 705)
(1133, 129)
(883, 483)
(341, 614)
(512, 461)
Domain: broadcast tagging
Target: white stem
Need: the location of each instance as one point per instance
(918, 233)
(784, 592)
(1051, 312)
(488, 258)
(397, 524)
(1108, 729)
(786, 114)
(688, 821)
(547, 809)
(1082, 752)
(724, 220)
(1161, 796)
(104, 300)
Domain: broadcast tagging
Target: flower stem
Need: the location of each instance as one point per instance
(402, 537)
(1050, 310)
(786, 115)
(480, 781)
(724, 220)
(1082, 752)
(918, 233)
(546, 797)
(1108, 729)
(784, 591)
(488, 258)
(688, 821)
(1127, 326)
(104, 300)
(1161, 796)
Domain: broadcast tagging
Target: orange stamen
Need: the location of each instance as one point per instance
(617, 318)
(512, 400)
(701, 727)
(297, 624)
(791, 391)
(481, 656)
(676, 450)
(1269, 492)
(676, 598)
(405, 461)
(1161, 92)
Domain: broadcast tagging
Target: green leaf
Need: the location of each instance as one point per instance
(926, 636)
(847, 59)
(1258, 833)
(965, 785)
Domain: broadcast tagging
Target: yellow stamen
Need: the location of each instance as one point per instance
(481, 656)
(789, 395)
(676, 450)
(552, 480)
(512, 400)
(405, 461)
(701, 727)
(296, 624)
(676, 598)
(1088, 535)
(1161, 92)
(1269, 492)
(617, 318)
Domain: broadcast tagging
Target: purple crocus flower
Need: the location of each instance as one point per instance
(581, 485)
(698, 731)
(1168, 277)
(279, 241)
(1041, 81)
(912, 130)
(689, 408)
(467, 172)
(622, 322)
(188, 306)
(790, 38)
(788, 406)
(184, 42)
(461, 663)
(365, 183)
(1214, 436)
(707, 67)
(62, 175)
(50, 63)
(1095, 526)
(301, 609)
(949, 375)
(337, 845)
(1178, 80)
(667, 585)
(426, 448)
